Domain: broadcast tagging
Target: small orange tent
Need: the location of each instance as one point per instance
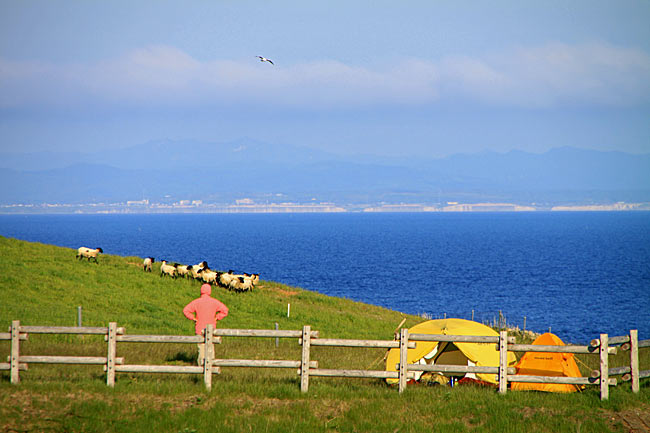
(547, 364)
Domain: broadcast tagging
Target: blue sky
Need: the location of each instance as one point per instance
(421, 78)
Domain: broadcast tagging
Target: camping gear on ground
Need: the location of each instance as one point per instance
(449, 353)
(547, 364)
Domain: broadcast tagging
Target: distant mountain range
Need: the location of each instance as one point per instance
(168, 171)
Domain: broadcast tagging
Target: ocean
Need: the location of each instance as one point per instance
(577, 273)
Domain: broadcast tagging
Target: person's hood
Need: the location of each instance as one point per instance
(206, 289)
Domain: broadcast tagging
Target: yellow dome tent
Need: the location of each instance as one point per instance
(547, 364)
(430, 352)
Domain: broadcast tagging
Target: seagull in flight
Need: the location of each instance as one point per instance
(264, 59)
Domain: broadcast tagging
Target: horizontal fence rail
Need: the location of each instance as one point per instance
(369, 374)
(335, 342)
(179, 369)
(67, 330)
(602, 347)
(458, 338)
(160, 338)
(440, 368)
(90, 360)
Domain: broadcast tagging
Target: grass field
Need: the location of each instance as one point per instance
(43, 285)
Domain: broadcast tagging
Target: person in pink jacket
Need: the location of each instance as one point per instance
(205, 310)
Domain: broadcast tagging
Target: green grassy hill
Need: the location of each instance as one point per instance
(43, 285)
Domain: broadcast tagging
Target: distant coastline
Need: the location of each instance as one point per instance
(247, 206)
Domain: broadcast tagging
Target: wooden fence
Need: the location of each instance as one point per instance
(603, 347)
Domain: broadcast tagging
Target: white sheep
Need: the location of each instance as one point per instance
(147, 264)
(241, 283)
(166, 269)
(88, 253)
(195, 269)
(195, 272)
(208, 276)
(224, 278)
(183, 270)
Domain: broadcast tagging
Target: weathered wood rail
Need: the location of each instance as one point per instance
(603, 347)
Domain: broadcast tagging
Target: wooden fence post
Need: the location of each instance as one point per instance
(15, 351)
(403, 358)
(304, 364)
(209, 356)
(110, 358)
(503, 362)
(604, 367)
(634, 359)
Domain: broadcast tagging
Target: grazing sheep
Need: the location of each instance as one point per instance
(246, 283)
(241, 283)
(88, 253)
(166, 269)
(225, 278)
(208, 276)
(195, 272)
(183, 270)
(147, 264)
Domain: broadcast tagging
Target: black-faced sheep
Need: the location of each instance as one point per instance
(194, 270)
(147, 264)
(88, 253)
(208, 276)
(224, 278)
(183, 270)
(166, 269)
(240, 282)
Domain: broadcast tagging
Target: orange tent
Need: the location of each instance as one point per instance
(547, 364)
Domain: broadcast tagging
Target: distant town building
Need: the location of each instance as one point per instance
(137, 203)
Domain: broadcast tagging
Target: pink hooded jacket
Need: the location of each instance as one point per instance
(205, 310)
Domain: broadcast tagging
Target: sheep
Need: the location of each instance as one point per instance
(225, 278)
(195, 272)
(194, 269)
(147, 264)
(208, 276)
(166, 269)
(84, 252)
(183, 270)
(241, 283)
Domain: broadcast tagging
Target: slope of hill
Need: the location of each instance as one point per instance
(45, 284)
(118, 290)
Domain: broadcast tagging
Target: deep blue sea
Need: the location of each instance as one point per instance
(580, 274)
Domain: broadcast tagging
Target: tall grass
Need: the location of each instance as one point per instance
(43, 285)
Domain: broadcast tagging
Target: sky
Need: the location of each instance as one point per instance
(416, 78)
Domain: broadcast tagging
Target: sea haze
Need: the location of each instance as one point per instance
(169, 171)
(579, 274)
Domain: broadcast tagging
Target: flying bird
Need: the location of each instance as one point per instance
(264, 59)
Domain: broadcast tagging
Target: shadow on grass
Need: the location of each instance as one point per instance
(184, 356)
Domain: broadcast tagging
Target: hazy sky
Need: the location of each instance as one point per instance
(425, 78)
